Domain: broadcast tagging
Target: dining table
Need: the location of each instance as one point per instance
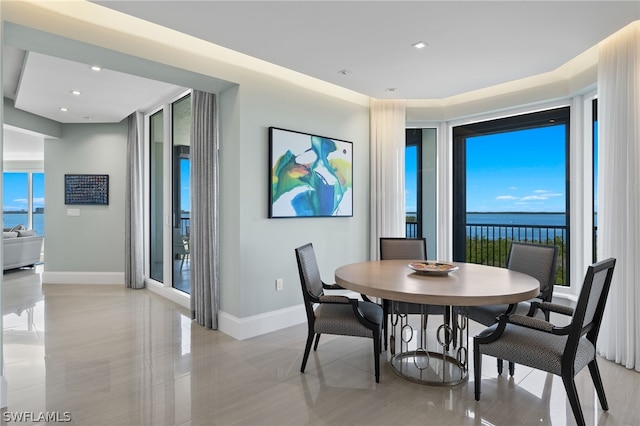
(434, 357)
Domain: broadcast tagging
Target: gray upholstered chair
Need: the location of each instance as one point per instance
(409, 249)
(335, 314)
(536, 260)
(539, 344)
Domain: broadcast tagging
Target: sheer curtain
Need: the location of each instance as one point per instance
(133, 226)
(387, 171)
(204, 207)
(619, 191)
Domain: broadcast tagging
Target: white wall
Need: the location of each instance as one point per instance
(92, 243)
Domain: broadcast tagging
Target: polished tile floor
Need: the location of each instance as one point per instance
(105, 355)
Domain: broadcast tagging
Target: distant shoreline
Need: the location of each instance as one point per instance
(516, 213)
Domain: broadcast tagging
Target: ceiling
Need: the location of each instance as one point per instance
(365, 46)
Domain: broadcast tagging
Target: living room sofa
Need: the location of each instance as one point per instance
(21, 248)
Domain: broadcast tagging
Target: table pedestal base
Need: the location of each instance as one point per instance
(442, 361)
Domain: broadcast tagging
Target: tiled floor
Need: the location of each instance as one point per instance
(105, 355)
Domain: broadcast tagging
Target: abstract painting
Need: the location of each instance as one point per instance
(86, 189)
(310, 175)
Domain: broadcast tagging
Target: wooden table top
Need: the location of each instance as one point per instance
(470, 285)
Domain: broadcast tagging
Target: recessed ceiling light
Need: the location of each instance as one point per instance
(344, 72)
(95, 68)
(420, 45)
(76, 92)
(88, 117)
(391, 89)
(64, 109)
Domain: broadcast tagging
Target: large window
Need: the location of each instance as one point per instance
(511, 184)
(23, 202)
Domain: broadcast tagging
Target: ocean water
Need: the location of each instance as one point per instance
(510, 219)
(13, 219)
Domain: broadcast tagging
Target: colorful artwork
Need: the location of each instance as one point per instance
(311, 176)
(86, 189)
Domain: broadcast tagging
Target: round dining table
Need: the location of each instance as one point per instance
(457, 285)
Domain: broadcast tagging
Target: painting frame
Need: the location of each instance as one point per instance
(309, 175)
(86, 189)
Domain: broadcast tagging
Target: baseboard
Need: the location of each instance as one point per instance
(3, 392)
(49, 277)
(245, 328)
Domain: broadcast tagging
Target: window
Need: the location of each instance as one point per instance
(413, 183)
(511, 184)
(23, 202)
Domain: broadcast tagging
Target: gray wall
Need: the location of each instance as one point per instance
(256, 250)
(93, 241)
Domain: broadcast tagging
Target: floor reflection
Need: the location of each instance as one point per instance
(114, 356)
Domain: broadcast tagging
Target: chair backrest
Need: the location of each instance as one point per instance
(587, 315)
(403, 248)
(178, 242)
(536, 260)
(309, 277)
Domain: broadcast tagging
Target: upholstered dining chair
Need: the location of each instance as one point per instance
(409, 249)
(536, 260)
(335, 314)
(539, 344)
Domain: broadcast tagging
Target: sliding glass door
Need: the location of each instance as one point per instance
(170, 194)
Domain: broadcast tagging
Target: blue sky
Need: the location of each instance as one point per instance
(514, 171)
(16, 190)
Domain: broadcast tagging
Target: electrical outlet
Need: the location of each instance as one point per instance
(279, 284)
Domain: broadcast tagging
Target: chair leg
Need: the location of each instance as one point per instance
(315, 347)
(385, 324)
(500, 363)
(512, 368)
(477, 367)
(597, 382)
(572, 394)
(307, 349)
(377, 347)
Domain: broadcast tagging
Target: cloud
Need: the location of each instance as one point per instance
(506, 197)
(534, 197)
(513, 188)
(20, 200)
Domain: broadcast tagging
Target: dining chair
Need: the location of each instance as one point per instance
(536, 260)
(539, 344)
(180, 246)
(409, 249)
(335, 314)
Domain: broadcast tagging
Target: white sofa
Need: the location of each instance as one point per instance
(21, 248)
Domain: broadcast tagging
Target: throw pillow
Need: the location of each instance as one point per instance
(26, 233)
(17, 228)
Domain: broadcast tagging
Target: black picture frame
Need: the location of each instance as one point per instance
(86, 189)
(309, 175)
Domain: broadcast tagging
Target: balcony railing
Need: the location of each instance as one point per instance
(488, 244)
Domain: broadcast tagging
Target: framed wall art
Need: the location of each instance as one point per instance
(86, 189)
(309, 175)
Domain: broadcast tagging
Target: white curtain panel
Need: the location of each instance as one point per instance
(204, 238)
(134, 225)
(387, 171)
(619, 192)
